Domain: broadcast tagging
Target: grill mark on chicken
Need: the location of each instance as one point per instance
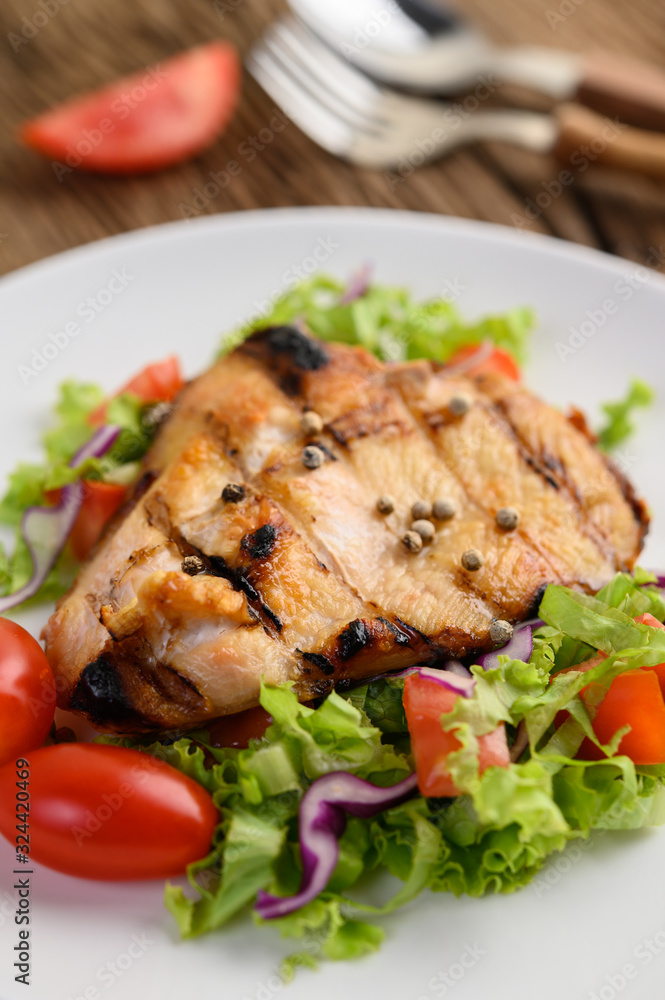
(544, 465)
(565, 519)
(260, 543)
(565, 479)
(391, 419)
(302, 578)
(322, 662)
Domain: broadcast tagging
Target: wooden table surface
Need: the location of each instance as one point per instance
(53, 49)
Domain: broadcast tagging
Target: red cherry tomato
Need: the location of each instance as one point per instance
(27, 692)
(146, 121)
(499, 362)
(425, 702)
(109, 813)
(237, 730)
(159, 381)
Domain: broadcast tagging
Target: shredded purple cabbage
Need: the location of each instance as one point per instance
(46, 529)
(321, 823)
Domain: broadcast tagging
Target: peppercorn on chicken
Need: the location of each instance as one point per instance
(273, 533)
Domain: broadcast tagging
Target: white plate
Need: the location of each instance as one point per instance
(583, 927)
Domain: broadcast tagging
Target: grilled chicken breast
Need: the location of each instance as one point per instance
(235, 559)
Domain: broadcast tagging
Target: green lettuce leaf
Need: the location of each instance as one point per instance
(390, 323)
(619, 424)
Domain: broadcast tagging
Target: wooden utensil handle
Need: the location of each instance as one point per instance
(587, 137)
(632, 91)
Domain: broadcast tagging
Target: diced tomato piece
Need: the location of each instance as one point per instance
(100, 502)
(637, 699)
(499, 362)
(152, 119)
(425, 702)
(237, 730)
(659, 669)
(633, 699)
(157, 382)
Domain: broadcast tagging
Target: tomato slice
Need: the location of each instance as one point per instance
(425, 702)
(159, 381)
(109, 813)
(499, 362)
(152, 119)
(100, 502)
(27, 692)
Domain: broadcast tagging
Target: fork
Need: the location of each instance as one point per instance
(371, 125)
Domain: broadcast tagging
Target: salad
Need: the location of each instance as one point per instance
(462, 780)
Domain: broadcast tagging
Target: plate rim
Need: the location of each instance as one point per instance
(492, 232)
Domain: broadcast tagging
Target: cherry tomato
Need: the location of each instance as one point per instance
(499, 362)
(159, 381)
(237, 730)
(146, 121)
(27, 692)
(425, 702)
(109, 813)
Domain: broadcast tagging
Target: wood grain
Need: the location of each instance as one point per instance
(81, 44)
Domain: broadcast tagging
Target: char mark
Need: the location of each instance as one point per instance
(320, 661)
(260, 543)
(238, 578)
(356, 636)
(100, 694)
(401, 638)
(287, 343)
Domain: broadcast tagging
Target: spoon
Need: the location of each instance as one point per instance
(423, 45)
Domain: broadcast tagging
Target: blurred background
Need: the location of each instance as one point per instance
(55, 49)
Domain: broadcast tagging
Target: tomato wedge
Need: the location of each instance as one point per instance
(498, 362)
(425, 702)
(633, 699)
(159, 381)
(109, 812)
(152, 119)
